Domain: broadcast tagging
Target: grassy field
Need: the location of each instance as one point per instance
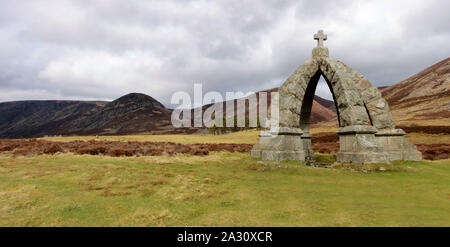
(246, 137)
(220, 189)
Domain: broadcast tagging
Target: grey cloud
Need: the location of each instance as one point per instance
(97, 49)
(431, 20)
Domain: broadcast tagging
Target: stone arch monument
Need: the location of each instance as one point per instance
(367, 132)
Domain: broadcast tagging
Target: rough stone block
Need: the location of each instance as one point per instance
(255, 153)
(282, 155)
(395, 155)
(347, 83)
(309, 68)
(307, 146)
(377, 107)
(355, 76)
(333, 77)
(320, 51)
(289, 119)
(383, 121)
(390, 132)
(363, 84)
(291, 103)
(354, 115)
(264, 133)
(358, 143)
(349, 98)
(370, 94)
(327, 71)
(285, 131)
(412, 155)
(292, 88)
(357, 129)
(296, 79)
(394, 143)
(264, 139)
(280, 147)
(410, 151)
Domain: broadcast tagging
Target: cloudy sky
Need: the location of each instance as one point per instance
(98, 49)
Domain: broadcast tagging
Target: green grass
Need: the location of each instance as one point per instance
(221, 189)
(324, 158)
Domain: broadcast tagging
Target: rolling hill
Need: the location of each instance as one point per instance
(322, 109)
(130, 114)
(422, 99)
(37, 118)
(420, 103)
(134, 113)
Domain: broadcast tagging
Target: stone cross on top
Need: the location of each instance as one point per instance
(320, 37)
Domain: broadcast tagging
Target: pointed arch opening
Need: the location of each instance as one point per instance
(310, 92)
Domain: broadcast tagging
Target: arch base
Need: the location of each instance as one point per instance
(358, 145)
(395, 144)
(280, 144)
(307, 146)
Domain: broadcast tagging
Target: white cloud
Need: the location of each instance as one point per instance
(104, 49)
(323, 90)
(102, 73)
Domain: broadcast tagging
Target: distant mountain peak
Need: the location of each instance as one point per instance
(136, 98)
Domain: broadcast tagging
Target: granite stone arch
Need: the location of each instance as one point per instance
(367, 131)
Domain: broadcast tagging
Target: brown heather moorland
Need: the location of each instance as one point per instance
(323, 142)
(28, 147)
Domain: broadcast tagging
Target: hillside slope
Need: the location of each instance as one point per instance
(37, 118)
(129, 114)
(322, 109)
(133, 113)
(423, 98)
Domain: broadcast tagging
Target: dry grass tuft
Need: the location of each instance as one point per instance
(92, 186)
(107, 192)
(159, 182)
(146, 192)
